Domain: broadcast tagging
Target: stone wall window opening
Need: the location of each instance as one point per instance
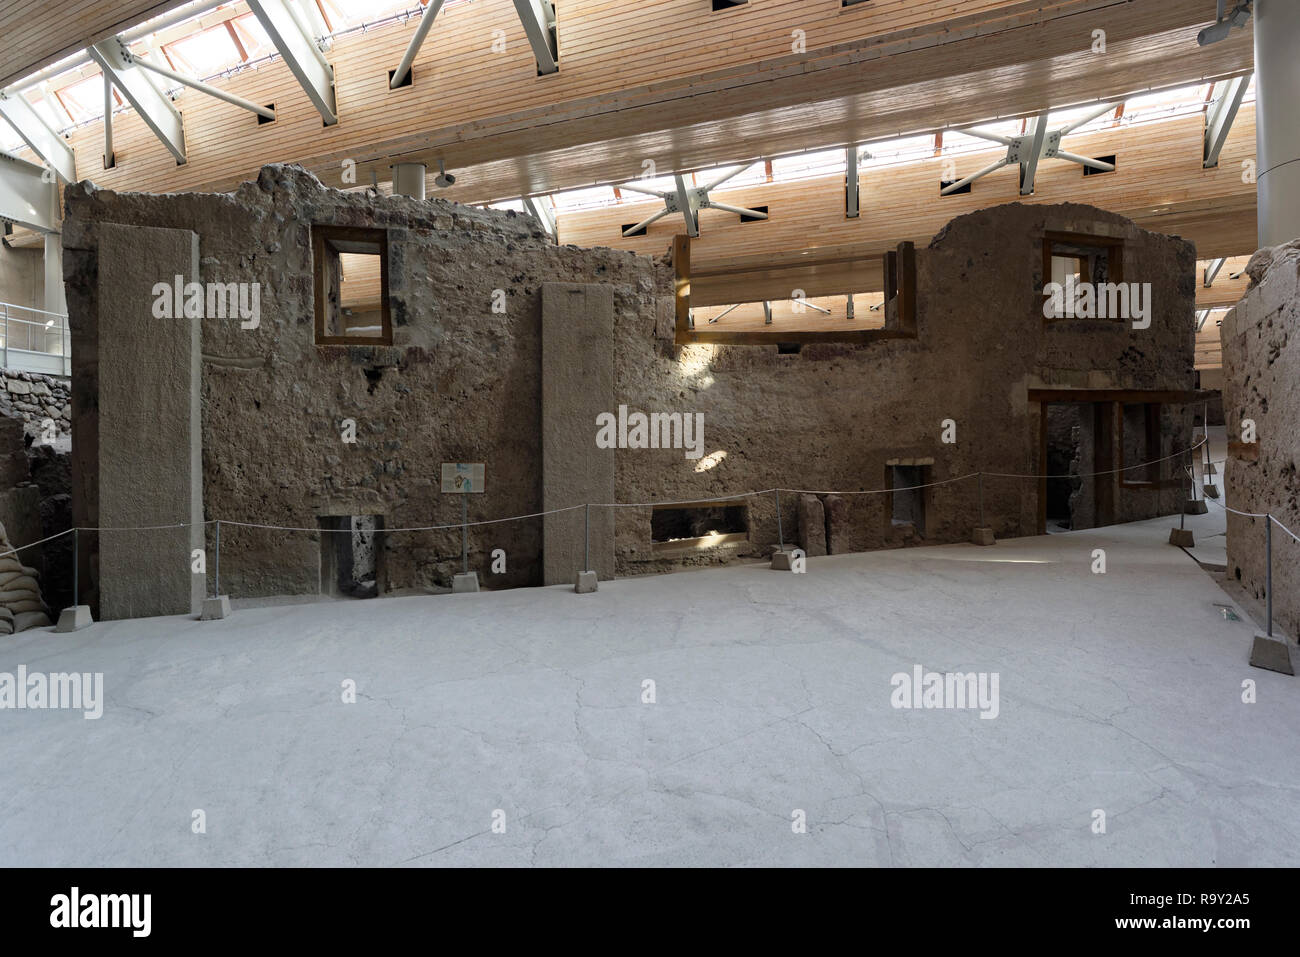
(350, 285)
(705, 525)
(1072, 260)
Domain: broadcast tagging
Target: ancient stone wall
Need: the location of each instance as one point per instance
(462, 383)
(43, 402)
(1261, 364)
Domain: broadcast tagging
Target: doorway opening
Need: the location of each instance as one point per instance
(351, 555)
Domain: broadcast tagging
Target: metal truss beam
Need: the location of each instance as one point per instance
(538, 207)
(689, 201)
(851, 183)
(292, 38)
(203, 87)
(1219, 117)
(1029, 164)
(688, 206)
(1027, 149)
(417, 41)
(1212, 271)
(538, 18)
(140, 91)
(44, 142)
(28, 195)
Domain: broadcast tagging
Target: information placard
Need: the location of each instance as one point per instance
(462, 477)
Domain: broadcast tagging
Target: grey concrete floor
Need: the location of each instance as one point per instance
(1119, 692)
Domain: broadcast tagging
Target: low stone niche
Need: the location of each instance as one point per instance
(695, 526)
(351, 556)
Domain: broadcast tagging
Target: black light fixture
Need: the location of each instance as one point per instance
(1223, 25)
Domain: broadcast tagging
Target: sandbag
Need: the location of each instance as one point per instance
(10, 595)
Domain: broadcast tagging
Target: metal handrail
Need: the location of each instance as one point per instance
(59, 329)
(44, 312)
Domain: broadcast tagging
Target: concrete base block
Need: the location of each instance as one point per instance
(1195, 506)
(1210, 469)
(215, 608)
(74, 618)
(1211, 491)
(781, 560)
(1182, 537)
(982, 535)
(1271, 654)
(586, 583)
(465, 582)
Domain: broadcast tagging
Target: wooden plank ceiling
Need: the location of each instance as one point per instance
(671, 82)
(808, 243)
(37, 34)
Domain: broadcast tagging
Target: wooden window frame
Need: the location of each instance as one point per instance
(321, 237)
(1114, 247)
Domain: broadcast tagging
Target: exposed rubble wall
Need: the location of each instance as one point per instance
(1261, 364)
(43, 402)
(462, 383)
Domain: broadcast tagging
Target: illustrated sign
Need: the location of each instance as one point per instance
(462, 477)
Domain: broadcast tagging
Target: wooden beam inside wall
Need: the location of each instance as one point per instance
(682, 284)
(907, 286)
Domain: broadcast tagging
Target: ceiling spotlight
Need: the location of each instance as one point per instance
(443, 179)
(1223, 26)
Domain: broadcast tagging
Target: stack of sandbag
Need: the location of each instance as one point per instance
(20, 597)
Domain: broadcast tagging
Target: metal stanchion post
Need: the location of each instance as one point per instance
(1268, 571)
(780, 533)
(216, 564)
(981, 478)
(586, 538)
(1182, 512)
(464, 534)
(76, 592)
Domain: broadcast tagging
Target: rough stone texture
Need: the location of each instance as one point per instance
(577, 386)
(14, 470)
(464, 383)
(51, 469)
(812, 526)
(1261, 365)
(40, 401)
(145, 374)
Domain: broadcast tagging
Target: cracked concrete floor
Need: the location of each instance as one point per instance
(1120, 692)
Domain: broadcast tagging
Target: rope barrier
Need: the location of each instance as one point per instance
(1126, 468)
(691, 501)
(15, 551)
(413, 528)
